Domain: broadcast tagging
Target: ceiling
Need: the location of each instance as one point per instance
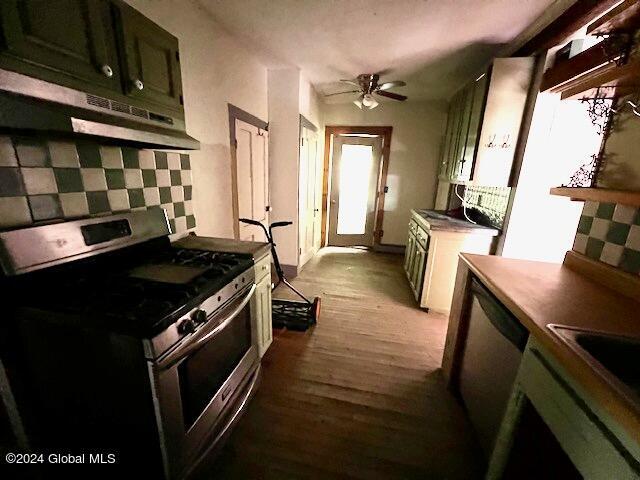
(433, 45)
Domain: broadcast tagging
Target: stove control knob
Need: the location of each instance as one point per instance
(199, 316)
(186, 326)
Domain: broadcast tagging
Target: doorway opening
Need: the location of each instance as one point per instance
(356, 165)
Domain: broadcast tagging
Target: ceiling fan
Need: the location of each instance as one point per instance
(368, 86)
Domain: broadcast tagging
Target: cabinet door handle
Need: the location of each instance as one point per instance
(107, 71)
(138, 84)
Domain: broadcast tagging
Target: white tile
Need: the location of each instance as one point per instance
(188, 207)
(624, 214)
(138, 209)
(580, 243)
(7, 153)
(177, 194)
(63, 154)
(147, 160)
(111, 157)
(185, 176)
(599, 228)
(170, 211)
(163, 178)
(181, 224)
(14, 212)
(93, 179)
(74, 204)
(590, 209)
(132, 178)
(174, 161)
(151, 196)
(611, 254)
(118, 200)
(633, 240)
(39, 180)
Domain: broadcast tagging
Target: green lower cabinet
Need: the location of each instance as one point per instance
(594, 443)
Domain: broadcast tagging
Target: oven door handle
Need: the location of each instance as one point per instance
(205, 334)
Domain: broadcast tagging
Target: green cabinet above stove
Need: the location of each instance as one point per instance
(101, 47)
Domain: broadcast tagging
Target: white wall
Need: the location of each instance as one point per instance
(216, 69)
(284, 132)
(418, 128)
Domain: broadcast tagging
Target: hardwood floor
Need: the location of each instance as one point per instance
(360, 396)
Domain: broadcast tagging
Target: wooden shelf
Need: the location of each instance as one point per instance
(592, 61)
(623, 18)
(625, 197)
(614, 80)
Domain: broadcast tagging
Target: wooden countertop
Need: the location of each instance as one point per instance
(257, 249)
(435, 220)
(540, 293)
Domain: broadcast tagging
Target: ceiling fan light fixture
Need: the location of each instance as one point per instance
(368, 101)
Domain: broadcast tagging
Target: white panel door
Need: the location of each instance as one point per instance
(308, 198)
(252, 169)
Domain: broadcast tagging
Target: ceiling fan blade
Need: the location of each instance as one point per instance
(351, 82)
(340, 93)
(388, 85)
(392, 95)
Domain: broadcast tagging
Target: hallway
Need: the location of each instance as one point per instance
(360, 396)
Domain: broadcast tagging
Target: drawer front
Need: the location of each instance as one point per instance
(592, 447)
(422, 238)
(263, 267)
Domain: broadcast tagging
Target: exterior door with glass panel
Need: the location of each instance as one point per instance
(354, 185)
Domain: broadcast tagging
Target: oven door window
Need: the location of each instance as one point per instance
(205, 371)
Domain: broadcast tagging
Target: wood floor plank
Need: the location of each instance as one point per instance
(359, 396)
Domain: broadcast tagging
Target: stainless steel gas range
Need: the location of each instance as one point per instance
(117, 342)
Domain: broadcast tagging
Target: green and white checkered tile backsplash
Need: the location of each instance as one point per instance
(46, 181)
(610, 233)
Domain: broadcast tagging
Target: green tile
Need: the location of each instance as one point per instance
(98, 202)
(630, 261)
(618, 233)
(178, 209)
(185, 163)
(594, 248)
(32, 152)
(68, 180)
(176, 178)
(191, 221)
(149, 178)
(115, 179)
(161, 160)
(605, 210)
(172, 224)
(165, 194)
(89, 155)
(11, 184)
(584, 225)
(136, 198)
(45, 207)
(130, 157)
(188, 192)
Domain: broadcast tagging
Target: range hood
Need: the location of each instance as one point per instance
(29, 105)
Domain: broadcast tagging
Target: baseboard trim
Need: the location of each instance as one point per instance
(388, 248)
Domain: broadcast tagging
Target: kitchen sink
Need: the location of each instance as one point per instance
(612, 354)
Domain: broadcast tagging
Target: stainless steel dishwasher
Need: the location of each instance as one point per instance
(490, 360)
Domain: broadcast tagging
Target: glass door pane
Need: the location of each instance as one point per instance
(355, 176)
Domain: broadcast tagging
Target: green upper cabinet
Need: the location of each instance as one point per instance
(69, 42)
(151, 62)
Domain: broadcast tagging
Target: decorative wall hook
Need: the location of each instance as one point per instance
(505, 141)
(492, 141)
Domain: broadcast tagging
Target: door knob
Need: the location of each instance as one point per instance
(107, 71)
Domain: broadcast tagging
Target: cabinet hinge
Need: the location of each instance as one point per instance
(302, 142)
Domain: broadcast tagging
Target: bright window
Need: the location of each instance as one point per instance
(355, 177)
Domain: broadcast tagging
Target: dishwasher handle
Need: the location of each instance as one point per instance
(508, 325)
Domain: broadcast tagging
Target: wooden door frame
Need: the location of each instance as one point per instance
(385, 133)
(236, 113)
